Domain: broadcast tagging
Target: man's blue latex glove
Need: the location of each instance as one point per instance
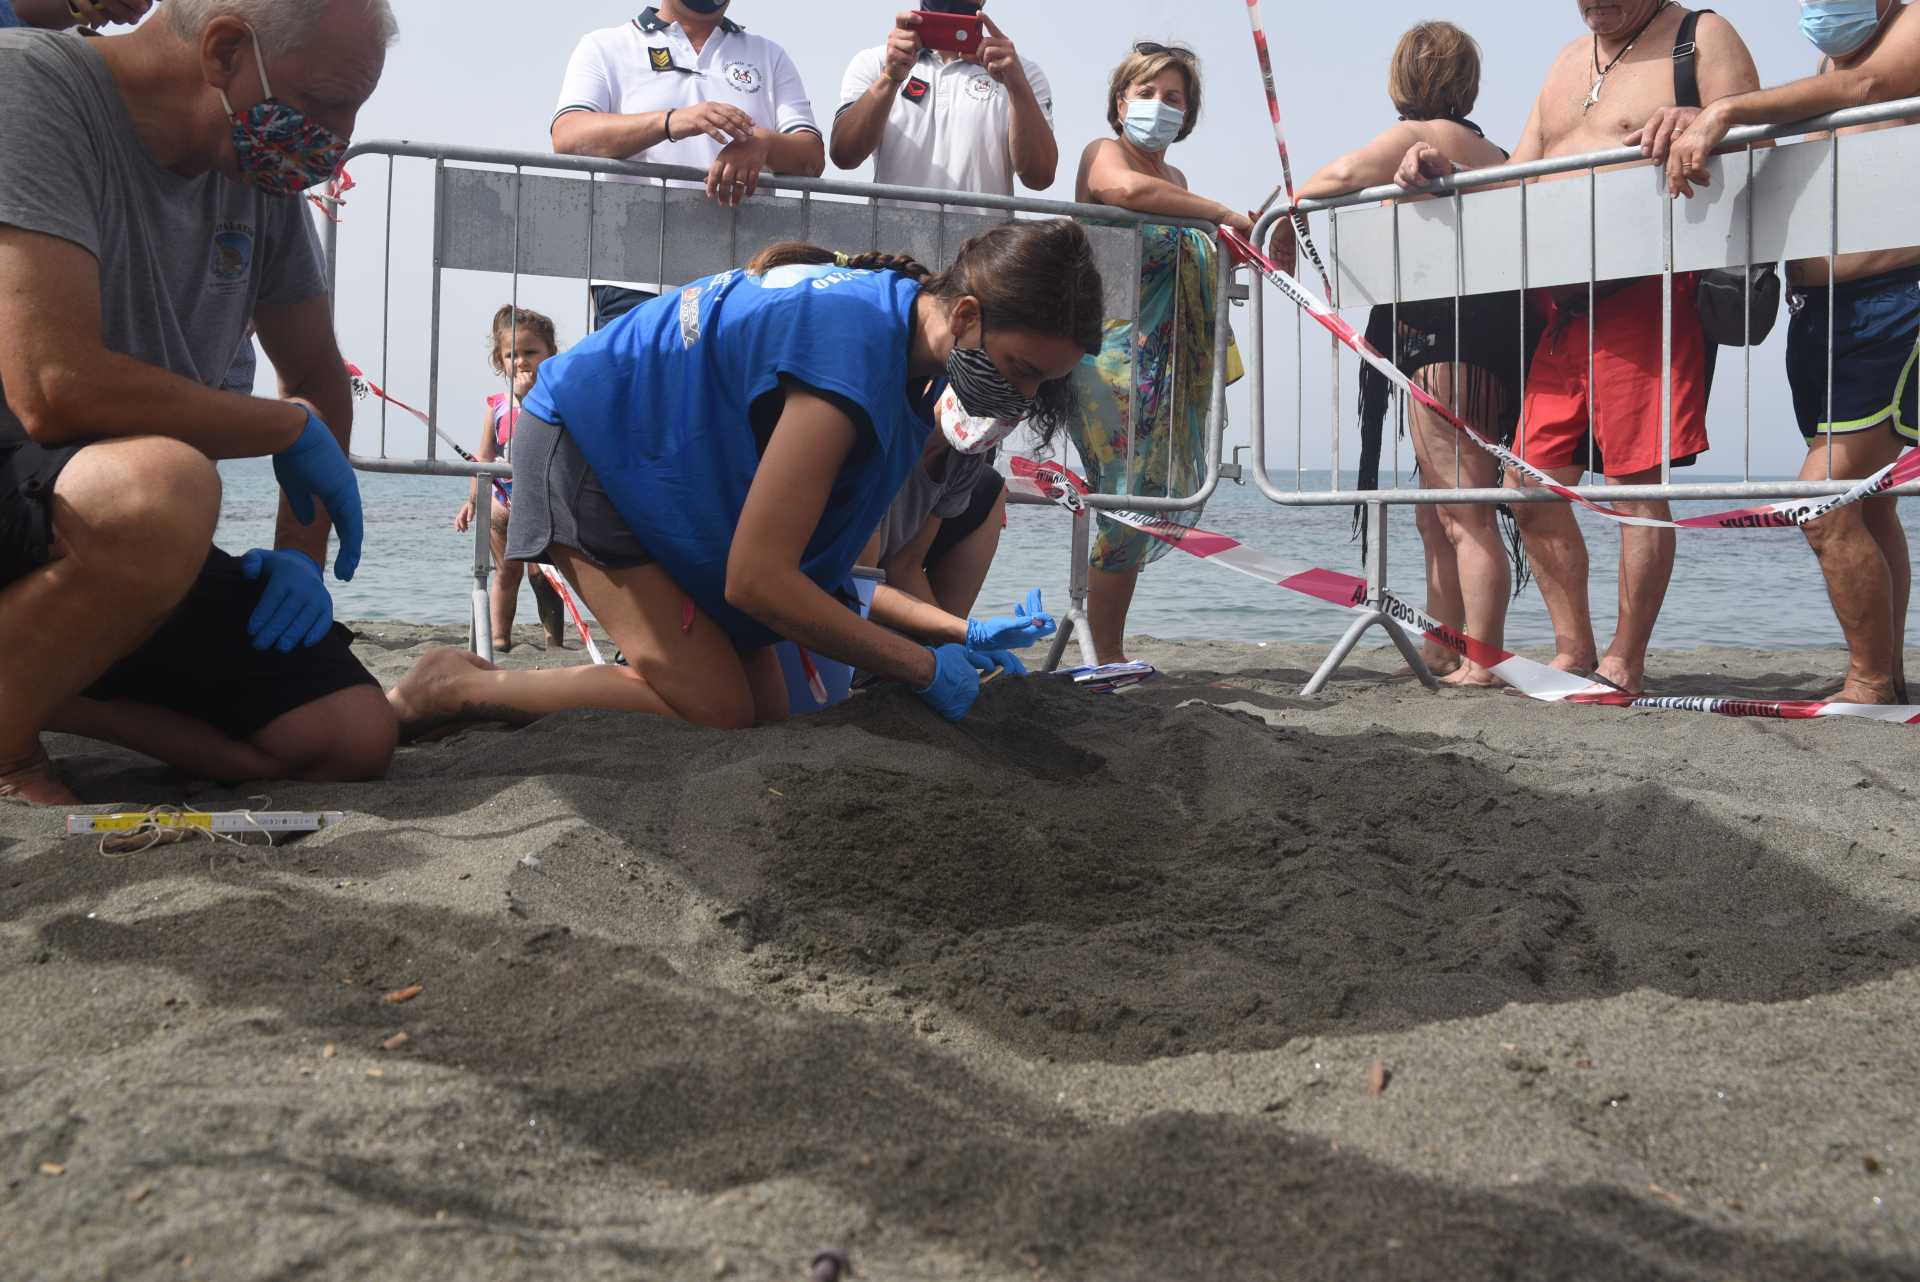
(956, 681)
(1028, 623)
(295, 609)
(314, 467)
(997, 663)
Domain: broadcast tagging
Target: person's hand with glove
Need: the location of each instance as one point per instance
(1028, 623)
(315, 467)
(294, 609)
(957, 674)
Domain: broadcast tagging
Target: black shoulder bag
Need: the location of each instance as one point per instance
(1725, 315)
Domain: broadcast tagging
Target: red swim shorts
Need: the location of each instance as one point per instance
(1626, 382)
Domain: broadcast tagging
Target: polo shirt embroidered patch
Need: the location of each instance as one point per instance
(661, 59)
(916, 90)
(744, 76)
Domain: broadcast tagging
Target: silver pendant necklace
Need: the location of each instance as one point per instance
(1600, 73)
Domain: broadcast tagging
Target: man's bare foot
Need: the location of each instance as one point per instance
(1865, 690)
(429, 695)
(1441, 662)
(33, 781)
(1617, 673)
(1471, 675)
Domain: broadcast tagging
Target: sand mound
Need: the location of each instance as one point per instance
(1084, 987)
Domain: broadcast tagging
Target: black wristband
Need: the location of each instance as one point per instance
(667, 125)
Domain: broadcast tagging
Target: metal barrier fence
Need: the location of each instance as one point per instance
(525, 214)
(1497, 230)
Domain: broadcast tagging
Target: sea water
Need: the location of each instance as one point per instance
(1758, 588)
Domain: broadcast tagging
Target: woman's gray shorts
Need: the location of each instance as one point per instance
(558, 502)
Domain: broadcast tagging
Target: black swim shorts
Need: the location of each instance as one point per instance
(202, 664)
(27, 474)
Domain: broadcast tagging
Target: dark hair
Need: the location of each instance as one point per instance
(1435, 73)
(1146, 61)
(1037, 276)
(511, 319)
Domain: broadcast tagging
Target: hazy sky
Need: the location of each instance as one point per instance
(486, 73)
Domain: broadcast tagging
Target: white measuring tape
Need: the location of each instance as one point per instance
(1349, 592)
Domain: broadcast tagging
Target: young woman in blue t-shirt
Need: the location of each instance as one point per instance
(708, 468)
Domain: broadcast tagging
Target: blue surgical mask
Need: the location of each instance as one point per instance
(1153, 124)
(1839, 27)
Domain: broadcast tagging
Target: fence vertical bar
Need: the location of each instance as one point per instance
(386, 304)
(1833, 267)
(433, 323)
(1666, 342)
(1333, 247)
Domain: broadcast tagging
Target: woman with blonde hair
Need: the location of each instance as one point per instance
(1433, 82)
(1166, 364)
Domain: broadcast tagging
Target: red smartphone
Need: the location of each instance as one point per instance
(949, 32)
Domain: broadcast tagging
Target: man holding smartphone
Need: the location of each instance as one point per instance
(948, 120)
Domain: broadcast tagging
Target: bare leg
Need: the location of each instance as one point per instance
(348, 735)
(1559, 555)
(1109, 596)
(1474, 555)
(695, 675)
(503, 593)
(1646, 568)
(1863, 556)
(1443, 589)
(132, 523)
(957, 579)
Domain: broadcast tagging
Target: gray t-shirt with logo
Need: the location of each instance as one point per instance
(182, 260)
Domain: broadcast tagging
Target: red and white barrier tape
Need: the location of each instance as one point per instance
(1265, 55)
(1349, 592)
(554, 578)
(1790, 512)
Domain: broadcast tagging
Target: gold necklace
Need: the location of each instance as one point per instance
(1600, 74)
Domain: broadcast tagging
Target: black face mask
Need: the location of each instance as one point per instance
(965, 8)
(705, 8)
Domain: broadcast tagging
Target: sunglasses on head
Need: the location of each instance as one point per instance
(1152, 48)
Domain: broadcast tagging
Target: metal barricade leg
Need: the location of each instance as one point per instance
(481, 638)
(1376, 614)
(1073, 625)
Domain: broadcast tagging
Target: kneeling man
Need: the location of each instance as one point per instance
(150, 208)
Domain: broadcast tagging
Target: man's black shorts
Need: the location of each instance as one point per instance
(200, 663)
(27, 474)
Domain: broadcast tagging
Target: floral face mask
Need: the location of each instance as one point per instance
(279, 149)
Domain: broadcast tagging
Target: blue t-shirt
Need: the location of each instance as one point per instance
(666, 403)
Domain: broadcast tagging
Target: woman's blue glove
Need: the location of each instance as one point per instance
(314, 467)
(997, 663)
(956, 681)
(1029, 623)
(295, 609)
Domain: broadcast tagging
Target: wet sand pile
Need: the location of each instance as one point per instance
(1204, 980)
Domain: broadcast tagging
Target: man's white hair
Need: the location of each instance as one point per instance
(282, 25)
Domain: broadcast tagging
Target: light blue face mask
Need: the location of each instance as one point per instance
(1152, 125)
(1839, 27)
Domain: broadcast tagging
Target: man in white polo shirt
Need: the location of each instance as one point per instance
(950, 121)
(682, 84)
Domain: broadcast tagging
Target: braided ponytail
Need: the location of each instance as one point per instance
(789, 253)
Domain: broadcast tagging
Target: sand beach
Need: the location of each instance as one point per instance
(1203, 980)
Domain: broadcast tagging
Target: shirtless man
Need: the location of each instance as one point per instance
(1873, 55)
(1610, 88)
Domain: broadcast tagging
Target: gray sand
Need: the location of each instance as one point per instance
(1086, 987)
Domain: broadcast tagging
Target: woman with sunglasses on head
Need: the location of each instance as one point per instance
(1153, 101)
(708, 468)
